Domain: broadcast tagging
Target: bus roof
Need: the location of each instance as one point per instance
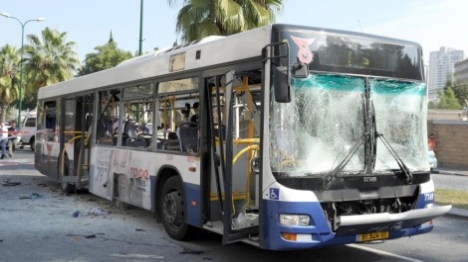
(210, 51)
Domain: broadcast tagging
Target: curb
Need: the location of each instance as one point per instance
(454, 211)
(444, 172)
(458, 212)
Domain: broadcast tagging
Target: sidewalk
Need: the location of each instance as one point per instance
(457, 171)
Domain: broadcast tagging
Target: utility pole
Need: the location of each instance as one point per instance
(40, 19)
(141, 28)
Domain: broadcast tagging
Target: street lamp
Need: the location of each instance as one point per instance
(40, 19)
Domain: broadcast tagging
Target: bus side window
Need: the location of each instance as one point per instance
(188, 137)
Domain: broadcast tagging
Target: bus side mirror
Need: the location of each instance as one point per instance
(281, 84)
(300, 70)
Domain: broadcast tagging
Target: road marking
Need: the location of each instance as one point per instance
(383, 253)
(16, 162)
(137, 256)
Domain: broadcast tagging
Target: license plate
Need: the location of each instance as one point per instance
(373, 236)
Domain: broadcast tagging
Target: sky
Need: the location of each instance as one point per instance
(88, 23)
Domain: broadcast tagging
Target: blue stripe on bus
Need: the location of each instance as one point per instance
(424, 199)
(271, 228)
(193, 203)
(192, 194)
(319, 229)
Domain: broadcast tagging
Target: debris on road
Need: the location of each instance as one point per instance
(93, 211)
(7, 182)
(32, 196)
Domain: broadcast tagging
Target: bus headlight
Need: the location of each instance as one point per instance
(294, 220)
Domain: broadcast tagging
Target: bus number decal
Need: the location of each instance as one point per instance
(429, 197)
(139, 172)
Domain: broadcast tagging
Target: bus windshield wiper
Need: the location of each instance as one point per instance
(328, 179)
(404, 169)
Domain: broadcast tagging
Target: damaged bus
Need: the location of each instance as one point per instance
(284, 137)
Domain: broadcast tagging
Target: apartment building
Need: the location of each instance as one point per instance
(442, 68)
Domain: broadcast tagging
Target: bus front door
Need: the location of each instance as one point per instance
(74, 153)
(230, 154)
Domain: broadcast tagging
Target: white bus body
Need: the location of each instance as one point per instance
(279, 154)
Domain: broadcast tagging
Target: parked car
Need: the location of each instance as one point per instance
(432, 159)
(28, 132)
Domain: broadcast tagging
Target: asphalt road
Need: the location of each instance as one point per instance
(450, 181)
(37, 223)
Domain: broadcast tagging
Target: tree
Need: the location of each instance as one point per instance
(460, 88)
(49, 61)
(107, 56)
(432, 105)
(9, 89)
(448, 100)
(201, 18)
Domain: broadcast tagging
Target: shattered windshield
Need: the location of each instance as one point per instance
(314, 133)
(400, 113)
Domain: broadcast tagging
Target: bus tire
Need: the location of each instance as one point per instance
(66, 186)
(173, 210)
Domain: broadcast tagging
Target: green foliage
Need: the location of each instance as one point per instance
(29, 99)
(433, 105)
(448, 100)
(198, 19)
(48, 60)
(460, 88)
(458, 198)
(107, 56)
(9, 76)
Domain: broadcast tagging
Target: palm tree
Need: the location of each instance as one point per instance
(9, 90)
(106, 56)
(201, 18)
(51, 60)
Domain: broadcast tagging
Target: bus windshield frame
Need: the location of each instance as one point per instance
(358, 90)
(352, 53)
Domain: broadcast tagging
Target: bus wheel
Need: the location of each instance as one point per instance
(66, 186)
(173, 209)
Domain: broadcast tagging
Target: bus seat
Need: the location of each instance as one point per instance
(188, 137)
(172, 142)
(124, 139)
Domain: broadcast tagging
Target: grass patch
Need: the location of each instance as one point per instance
(457, 198)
